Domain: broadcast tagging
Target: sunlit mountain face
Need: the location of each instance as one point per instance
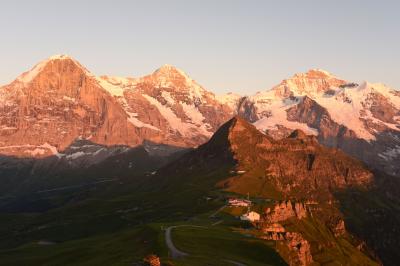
(59, 101)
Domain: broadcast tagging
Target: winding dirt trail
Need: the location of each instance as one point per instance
(174, 252)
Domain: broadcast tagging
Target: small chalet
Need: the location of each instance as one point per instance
(250, 216)
(239, 202)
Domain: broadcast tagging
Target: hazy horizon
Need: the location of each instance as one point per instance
(228, 46)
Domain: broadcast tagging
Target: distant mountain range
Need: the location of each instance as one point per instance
(50, 109)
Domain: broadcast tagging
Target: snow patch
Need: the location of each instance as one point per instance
(196, 117)
(345, 108)
(35, 150)
(132, 117)
(67, 98)
(230, 99)
(114, 90)
(277, 113)
(174, 122)
(52, 149)
(390, 154)
(167, 96)
(75, 155)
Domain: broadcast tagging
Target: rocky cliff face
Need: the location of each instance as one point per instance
(285, 210)
(57, 102)
(299, 249)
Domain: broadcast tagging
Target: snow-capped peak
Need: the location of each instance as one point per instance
(60, 57)
(311, 83)
(315, 73)
(318, 73)
(173, 78)
(171, 72)
(231, 99)
(168, 68)
(28, 76)
(116, 85)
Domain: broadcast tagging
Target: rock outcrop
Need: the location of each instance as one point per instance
(285, 210)
(300, 248)
(152, 260)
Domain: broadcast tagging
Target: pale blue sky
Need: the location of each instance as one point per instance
(240, 46)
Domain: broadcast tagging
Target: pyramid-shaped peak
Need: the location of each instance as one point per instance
(240, 128)
(167, 67)
(319, 71)
(311, 83)
(63, 58)
(60, 57)
(239, 122)
(169, 71)
(235, 126)
(28, 76)
(315, 73)
(168, 76)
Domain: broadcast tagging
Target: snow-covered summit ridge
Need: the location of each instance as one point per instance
(231, 99)
(30, 75)
(355, 106)
(168, 75)
(60, 56)
(170, 69)
(315, 73)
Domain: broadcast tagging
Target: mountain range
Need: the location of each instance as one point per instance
(57, 102)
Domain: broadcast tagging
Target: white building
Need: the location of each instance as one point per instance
(250, 216)
(239, 202)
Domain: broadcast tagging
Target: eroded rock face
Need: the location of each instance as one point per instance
(300, 247)
(340, 228)
(285, 210)
(247, 110)
(311, 113)
(293, 247)
(152, 260)
(381, 108)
